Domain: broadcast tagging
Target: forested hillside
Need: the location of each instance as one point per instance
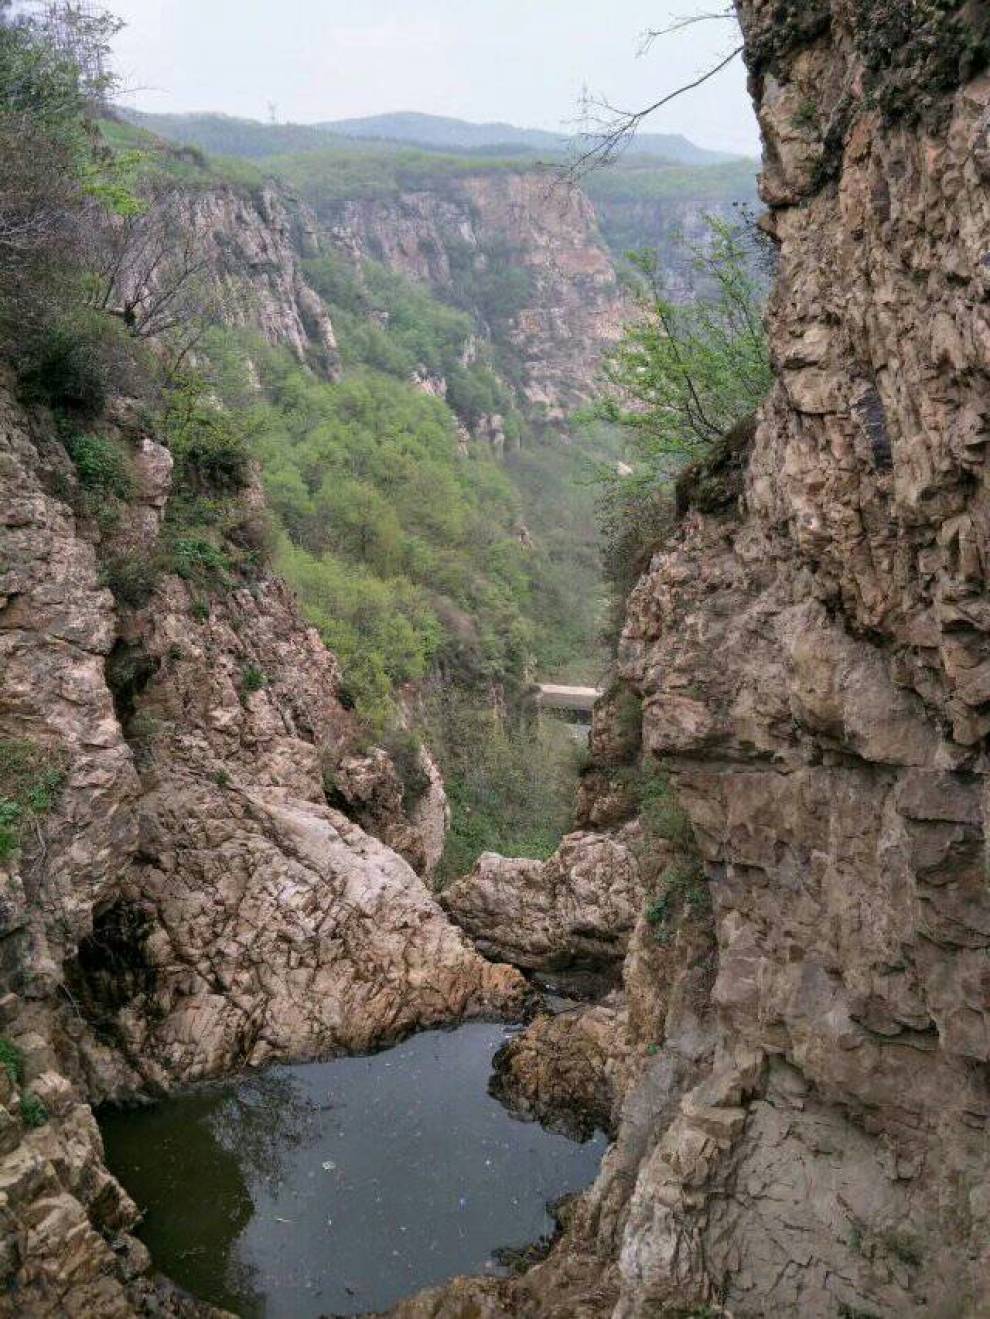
(658, 189)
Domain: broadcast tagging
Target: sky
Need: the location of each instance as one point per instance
(525, 62)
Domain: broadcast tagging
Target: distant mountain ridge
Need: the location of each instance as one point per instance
(229, 135)
(427, 130)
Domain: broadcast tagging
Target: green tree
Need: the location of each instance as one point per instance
(684, 374)
(681, 378)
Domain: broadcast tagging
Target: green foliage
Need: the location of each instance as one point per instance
(72, 359)
(252, 680)
(152, 160)
(208, 444)
(489, 279)
(405, 750)
(221, 778)
(200, 561)
(510, 783)
(682, 885)
(56, 186)
(132, 576)
(904, 1247)
(102, 465)
(660, 813)
(685, 374)
(33, 1111)
(200, 610)
(344, 170)
(30, 779)
(390, 324)
(12, 1060)
(681, 377)
(401, 547)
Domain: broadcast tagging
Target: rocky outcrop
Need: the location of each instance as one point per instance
(412, 819)
(573, 912)
(810, 1136)
(183, 900)
(250, 245)
(525, 224)
(564, 1069)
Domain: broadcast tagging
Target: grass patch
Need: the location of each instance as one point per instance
(11, 1060)
(683, 886)
(660, 813)
(252, 680)
(33, 1111)
(102, 466)
(30, 779)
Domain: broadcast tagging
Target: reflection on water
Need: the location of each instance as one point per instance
(340, 1187)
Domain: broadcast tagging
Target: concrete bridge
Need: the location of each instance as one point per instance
(574, 704)
(568, 701)
(555, 697)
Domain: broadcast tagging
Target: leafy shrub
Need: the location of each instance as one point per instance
(253, 680)
(101, 465)
(12, 1060)
(683, 885)
(221, 778)
(510, 784)
(905, 1247)
(405, 750)
(33, 1111)
(30, 779)
(132, 576)
(66, 369)
(142, 730)
(660, 813)
(198, 560)
(208, 444)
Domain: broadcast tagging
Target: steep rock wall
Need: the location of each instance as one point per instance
(249, 246)
(573, 307)
(187, 903)
(810, 657)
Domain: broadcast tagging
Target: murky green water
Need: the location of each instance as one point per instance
(336, 1188)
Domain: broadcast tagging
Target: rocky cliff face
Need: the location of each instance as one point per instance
(183, 900)
(808, 1133)
(250, 246)
(467, 227)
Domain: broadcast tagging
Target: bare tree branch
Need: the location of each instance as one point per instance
(616, 132)
(679, 24)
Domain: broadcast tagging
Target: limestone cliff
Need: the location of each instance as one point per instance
(807, 1134)
(249, 245)
(462, 229)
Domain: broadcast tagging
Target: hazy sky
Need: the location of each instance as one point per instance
(523, 61)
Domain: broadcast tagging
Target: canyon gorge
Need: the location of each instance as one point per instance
(769, 917)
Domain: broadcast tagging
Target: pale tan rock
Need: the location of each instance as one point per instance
(577, 909)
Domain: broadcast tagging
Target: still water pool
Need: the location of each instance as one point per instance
(341, 1187)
